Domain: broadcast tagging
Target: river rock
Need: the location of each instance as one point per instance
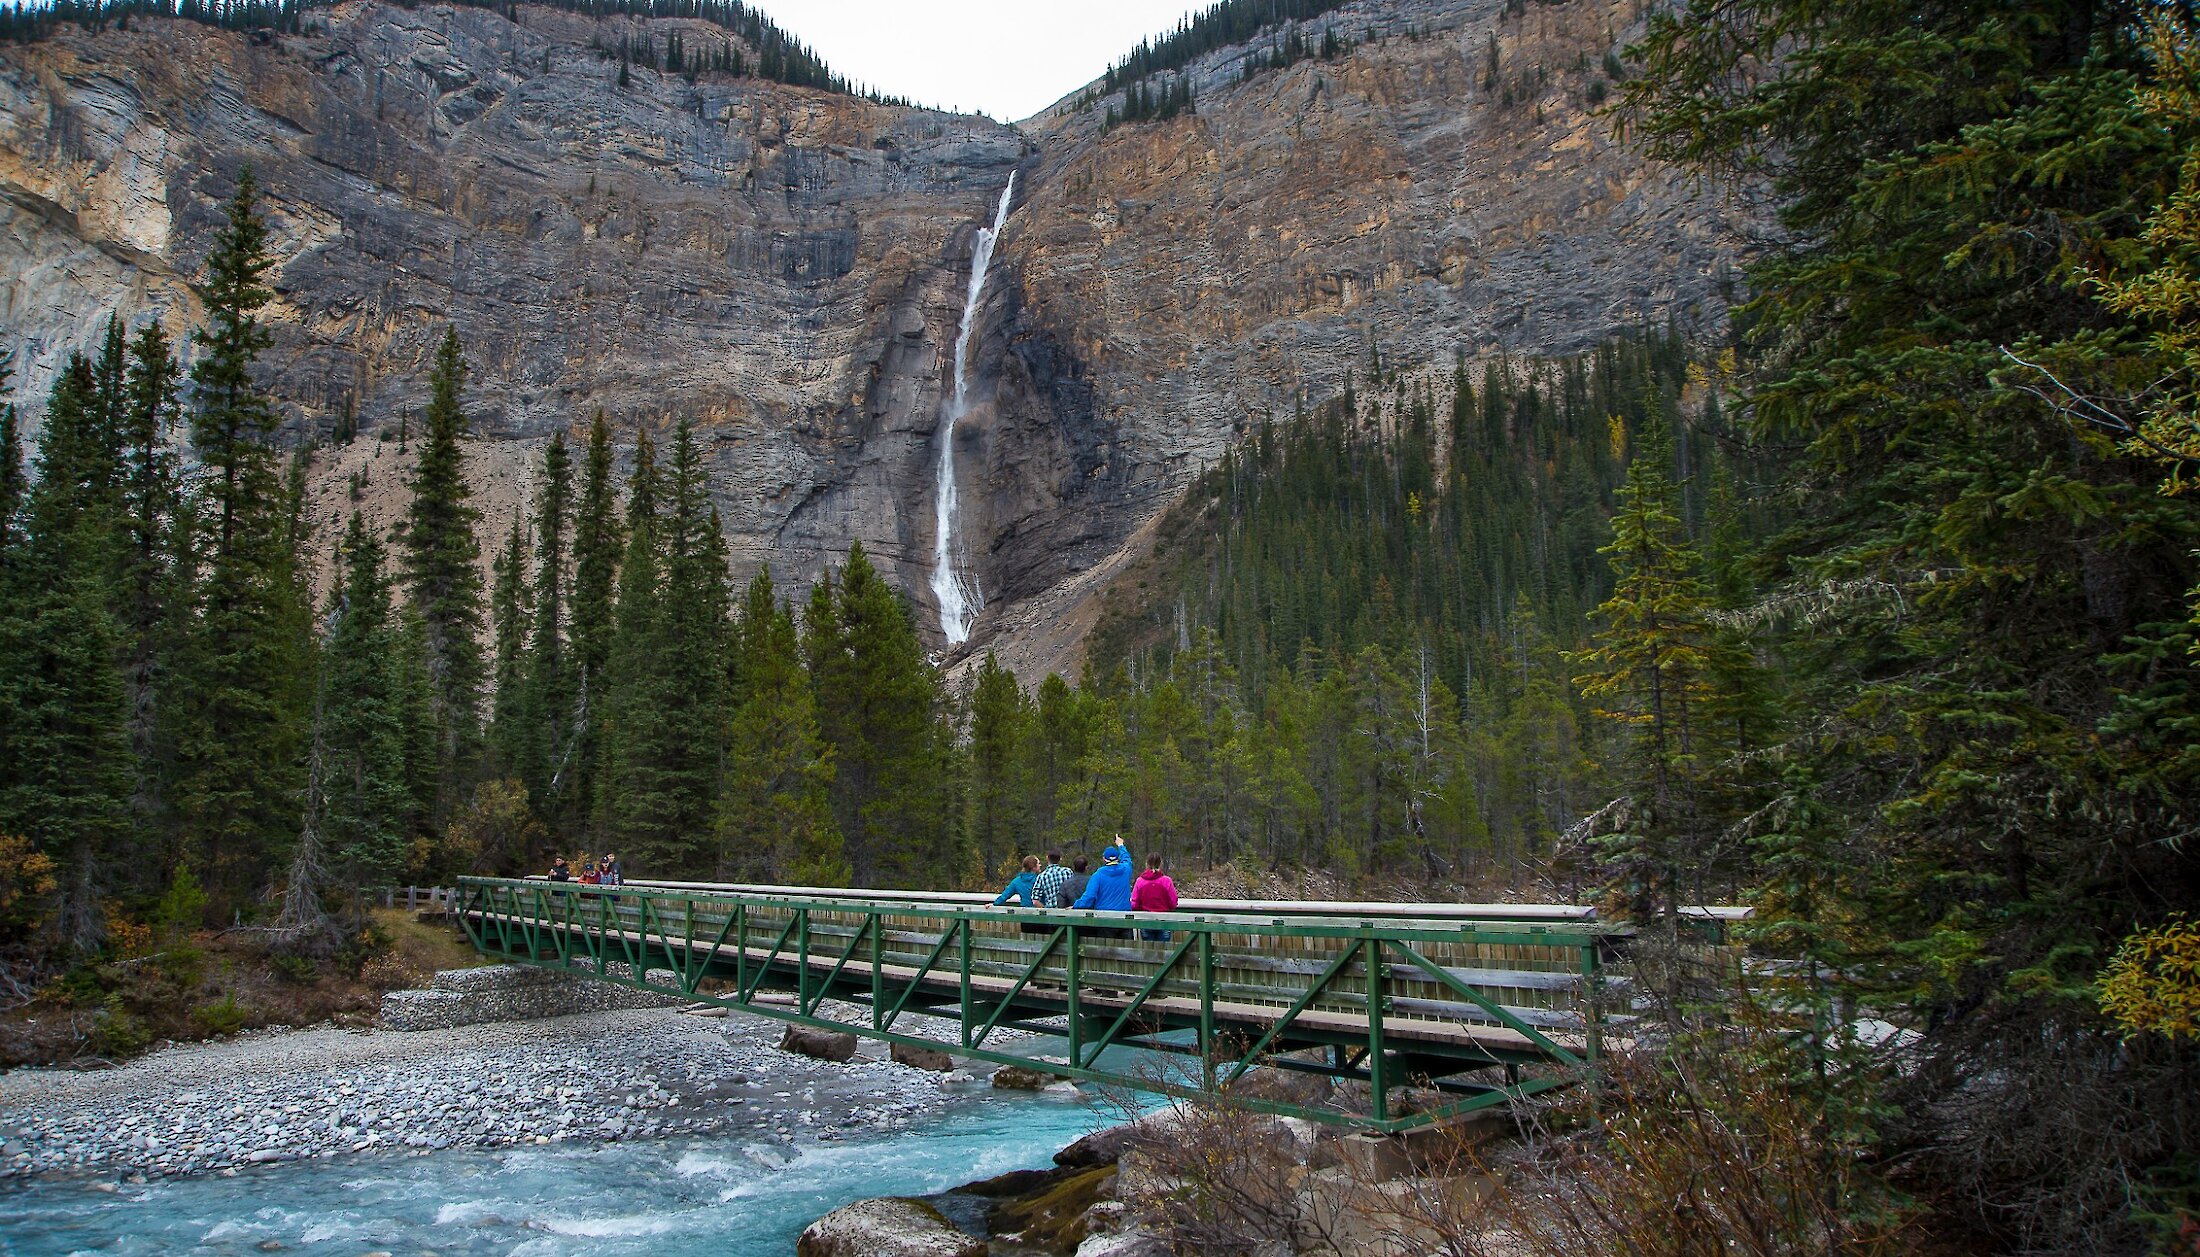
(1283, 1086)
(1101, 1147)
(887, 1227)
(1018, 1078)
(824, 1045)
(923, 1058)
(465, 997)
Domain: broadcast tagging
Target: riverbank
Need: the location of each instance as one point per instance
(326, 1092)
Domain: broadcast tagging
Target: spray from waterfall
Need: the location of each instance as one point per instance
(959, 598)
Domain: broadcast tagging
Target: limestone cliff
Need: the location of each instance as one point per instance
(786, 266)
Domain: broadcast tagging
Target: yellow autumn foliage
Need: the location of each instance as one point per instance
(2153, 984)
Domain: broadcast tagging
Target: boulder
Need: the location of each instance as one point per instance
(888, 1227)
(1107, 1145)
(923, 1058)
(1017, 1078)
(1283, 1086)
(1101, 1147)
(1054, 1213)
(1013, 1183)
(824, 1045)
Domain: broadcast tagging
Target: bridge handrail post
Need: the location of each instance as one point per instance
(878, 969)
(1207, 1010)
(1378, 1073)
(802, 967)
(1593, 987)
(962, 927)
(740, 946)
(687, 948)
(1073, 973)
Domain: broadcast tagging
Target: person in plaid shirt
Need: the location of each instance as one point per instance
(1047, 891)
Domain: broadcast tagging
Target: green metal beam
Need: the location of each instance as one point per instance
(1243, 960)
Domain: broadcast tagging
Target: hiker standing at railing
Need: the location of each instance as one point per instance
(1073, 886)
(1153, 893)
(1110, 887)
(1046, 892)
(1019, 889)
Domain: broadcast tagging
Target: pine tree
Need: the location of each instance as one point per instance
(151, 585)
(1649, 665)
(879, 702)
(597, 538)
(109, 389)
(510, 608)
(671, 714)
(999, 713)
(1060, 736)
(775, 818)
(368, 798)
(547, 710)
(626, 711)
(441, 557)
(359, 803)
(12, 479)
(66, 771)
(243, 671)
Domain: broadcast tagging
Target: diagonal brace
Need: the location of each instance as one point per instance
(1489, 1005)
(1152, 984)
(1321, 984)
(1036, 961)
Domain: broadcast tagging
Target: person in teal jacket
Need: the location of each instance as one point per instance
(1019, 887)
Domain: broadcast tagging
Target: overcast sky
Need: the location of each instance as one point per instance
(1007, 58)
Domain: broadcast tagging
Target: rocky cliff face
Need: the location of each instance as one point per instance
(785, 267)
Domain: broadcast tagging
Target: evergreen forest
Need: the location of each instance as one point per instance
(1876, 610)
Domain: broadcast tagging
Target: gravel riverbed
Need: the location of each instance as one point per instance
(285, 1095)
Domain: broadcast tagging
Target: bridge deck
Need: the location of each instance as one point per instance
(1486, 1009)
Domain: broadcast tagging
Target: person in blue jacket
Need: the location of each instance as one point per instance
(1110, 887)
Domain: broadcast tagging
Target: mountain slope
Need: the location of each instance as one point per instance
(787, 265)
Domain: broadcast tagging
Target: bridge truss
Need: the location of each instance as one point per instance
(1471, 1009)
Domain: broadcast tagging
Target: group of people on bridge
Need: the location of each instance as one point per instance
(605, 872)
(1110, 888)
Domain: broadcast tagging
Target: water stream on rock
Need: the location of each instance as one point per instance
(960, 599)
(728, 1195)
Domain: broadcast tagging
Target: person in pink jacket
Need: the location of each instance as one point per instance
(1153, 893)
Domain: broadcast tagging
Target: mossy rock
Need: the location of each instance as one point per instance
(1052, 1214)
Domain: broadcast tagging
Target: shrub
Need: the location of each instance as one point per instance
(294, 967)
(224, 1016)
(116, 1032)
(26, 887)
(2153, 984)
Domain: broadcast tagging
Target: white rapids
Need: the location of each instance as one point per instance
(960, 599)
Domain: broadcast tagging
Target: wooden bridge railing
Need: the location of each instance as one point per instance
(1484, 1009)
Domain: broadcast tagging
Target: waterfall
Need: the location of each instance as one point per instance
(960, 599)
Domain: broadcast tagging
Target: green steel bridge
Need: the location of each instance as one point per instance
(1474, 1005)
